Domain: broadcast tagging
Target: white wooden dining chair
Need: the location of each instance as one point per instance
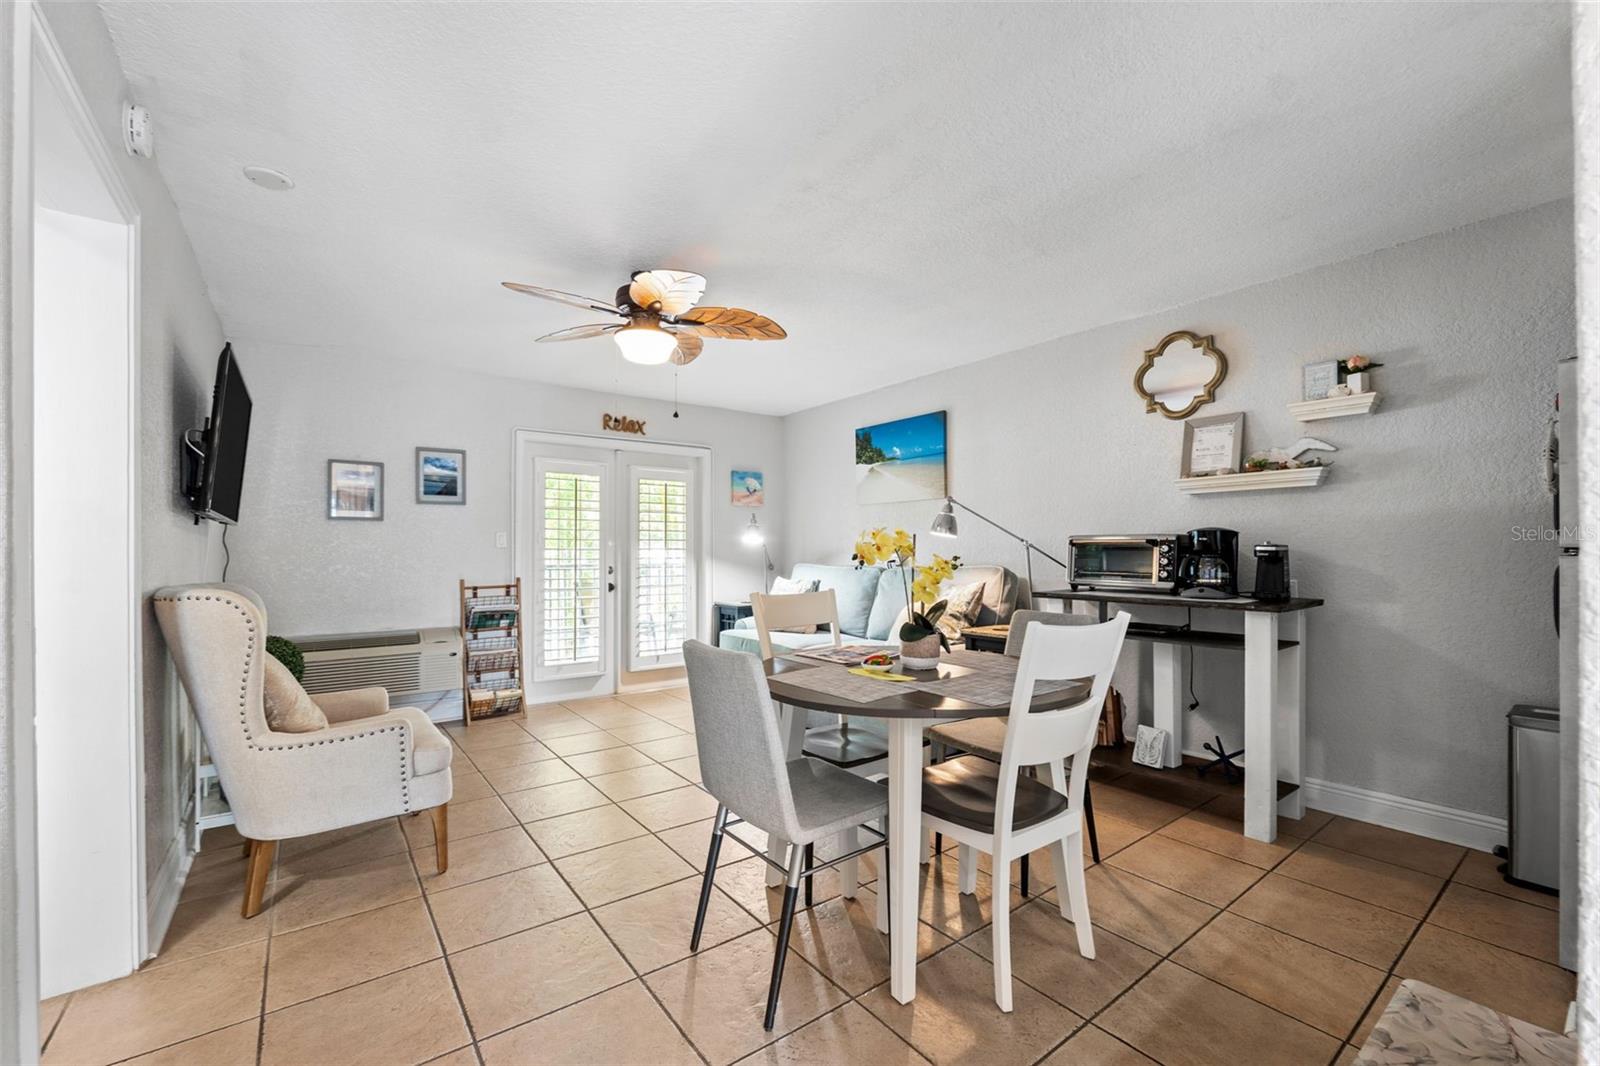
(999, 811)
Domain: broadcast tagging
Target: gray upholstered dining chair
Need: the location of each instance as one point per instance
(743, 766)
(984, 737)
(1003, 812)
(368, 762)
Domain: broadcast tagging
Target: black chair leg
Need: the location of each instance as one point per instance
(810, 858)
(705, 881)
(785, 923)
(1088, 816)
(1024, 878)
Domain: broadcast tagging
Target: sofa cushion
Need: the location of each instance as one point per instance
(890, 601)
(854, 591)
(782, 643)
(289, 707)
(1001, 592)
(430, 750)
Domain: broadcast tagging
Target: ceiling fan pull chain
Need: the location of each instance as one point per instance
(674, 394)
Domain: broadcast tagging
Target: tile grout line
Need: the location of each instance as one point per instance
(444, 953)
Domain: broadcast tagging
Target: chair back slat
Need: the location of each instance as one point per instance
(1019, 626)
(736, 734)
(774, 613)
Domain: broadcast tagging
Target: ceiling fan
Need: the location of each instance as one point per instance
(660, 320)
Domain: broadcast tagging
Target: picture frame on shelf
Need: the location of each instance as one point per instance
(1318, 380)
(355, 490)
(441, 475)
(1213, 445)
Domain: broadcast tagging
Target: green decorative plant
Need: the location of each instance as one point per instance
(288, 653)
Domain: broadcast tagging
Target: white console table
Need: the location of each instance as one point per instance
(1274, 646)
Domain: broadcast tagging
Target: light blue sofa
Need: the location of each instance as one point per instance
(869, 601)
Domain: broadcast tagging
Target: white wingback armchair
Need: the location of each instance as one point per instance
(370, 762)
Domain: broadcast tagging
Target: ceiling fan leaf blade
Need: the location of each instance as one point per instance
(731, 323)
(588, 303)
(578, 333)
(688, 350)
(675, 291)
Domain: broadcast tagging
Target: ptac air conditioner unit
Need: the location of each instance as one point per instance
(420, 667)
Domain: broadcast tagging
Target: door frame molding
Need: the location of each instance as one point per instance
(524, 440)
(37, 54)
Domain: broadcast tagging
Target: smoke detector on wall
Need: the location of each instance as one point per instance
(138, 132)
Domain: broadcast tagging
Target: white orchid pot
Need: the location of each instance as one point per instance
(1359, 382)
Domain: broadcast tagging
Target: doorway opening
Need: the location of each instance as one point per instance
(88, 742)
(612, 546)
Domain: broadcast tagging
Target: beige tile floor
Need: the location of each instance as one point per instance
(560, 933)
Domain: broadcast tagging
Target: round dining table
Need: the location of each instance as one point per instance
(908, 708)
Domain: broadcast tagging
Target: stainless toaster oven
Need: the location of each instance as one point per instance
(1140, 561)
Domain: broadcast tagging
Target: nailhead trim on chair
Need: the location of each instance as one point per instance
(244, 693)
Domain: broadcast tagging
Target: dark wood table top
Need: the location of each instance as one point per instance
(1161, 599)
(902, 703)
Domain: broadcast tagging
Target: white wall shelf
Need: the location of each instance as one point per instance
(1362, 403)
(1303, 477)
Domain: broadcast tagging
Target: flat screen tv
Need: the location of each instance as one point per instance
(215, 494)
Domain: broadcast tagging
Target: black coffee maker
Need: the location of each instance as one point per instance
(1272, 573)
(1210, 569)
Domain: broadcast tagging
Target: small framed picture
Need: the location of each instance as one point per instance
(747, 488)
(1318, 379)
(441, 475)
(355, 489)
(1213, 445)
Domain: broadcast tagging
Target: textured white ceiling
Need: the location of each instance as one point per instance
(903, 187)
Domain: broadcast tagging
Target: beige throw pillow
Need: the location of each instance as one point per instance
(963, 602)
(290, 709)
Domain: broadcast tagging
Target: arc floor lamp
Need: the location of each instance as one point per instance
(944, 525)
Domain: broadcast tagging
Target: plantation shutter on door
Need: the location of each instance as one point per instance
(662, 610)
(570, 569)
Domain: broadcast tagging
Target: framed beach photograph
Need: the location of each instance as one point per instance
(901, 460)
(747, 488)
(355, 489)
(1213, 445)
(441, 475)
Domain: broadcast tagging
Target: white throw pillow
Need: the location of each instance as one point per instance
(783, 586)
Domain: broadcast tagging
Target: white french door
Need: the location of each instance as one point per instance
(610, 546)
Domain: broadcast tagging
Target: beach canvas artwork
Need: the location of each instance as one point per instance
(748, 488)
(441, 475)
(355, 489)
(901, 460)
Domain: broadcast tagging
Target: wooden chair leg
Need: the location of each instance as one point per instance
(441, 834)
(261, 853)
(249, 847)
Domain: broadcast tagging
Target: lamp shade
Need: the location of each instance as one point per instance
(944, 523)
(643, 342)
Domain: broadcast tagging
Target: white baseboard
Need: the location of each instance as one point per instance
(163, 898)
(1468, 828)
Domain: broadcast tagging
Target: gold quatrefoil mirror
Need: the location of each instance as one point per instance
(1180, 374)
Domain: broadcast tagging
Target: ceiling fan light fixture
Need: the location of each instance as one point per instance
(645, 343)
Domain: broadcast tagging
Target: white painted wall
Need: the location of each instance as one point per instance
(1437, 618)
(179, 340)
(319, 575)
(1586, 121)
(89, 883)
